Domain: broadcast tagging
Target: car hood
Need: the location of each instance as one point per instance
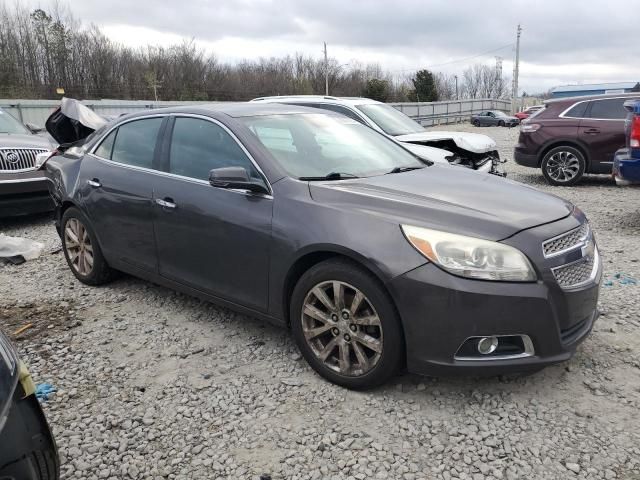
(73, 121)
(473, 142)
(433, 154)
(467, 202)
(18, 140)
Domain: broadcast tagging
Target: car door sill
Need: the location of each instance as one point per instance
(194, 292)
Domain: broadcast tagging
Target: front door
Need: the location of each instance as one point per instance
(211, 239)
(117, 192)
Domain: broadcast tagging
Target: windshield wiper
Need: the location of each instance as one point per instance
(330, 176)
(403, 169)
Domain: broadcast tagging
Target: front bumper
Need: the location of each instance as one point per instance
(24, 193)
(440, 312)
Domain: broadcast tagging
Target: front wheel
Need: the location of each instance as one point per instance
(346, 326)
(563, 166)
(501, 123)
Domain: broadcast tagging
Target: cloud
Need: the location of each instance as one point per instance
(562, 41)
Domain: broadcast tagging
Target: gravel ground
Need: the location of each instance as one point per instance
(155, 384)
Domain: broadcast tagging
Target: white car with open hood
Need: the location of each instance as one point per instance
(471, 150)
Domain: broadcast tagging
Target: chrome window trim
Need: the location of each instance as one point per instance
(582, 241)
(563, 114)
(592, 277)
(173, 175)
(529, 350)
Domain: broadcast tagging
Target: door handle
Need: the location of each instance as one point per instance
(592, 131)
(95, 183)
(166, 202)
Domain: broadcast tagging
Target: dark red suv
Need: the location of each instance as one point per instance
(573, 136)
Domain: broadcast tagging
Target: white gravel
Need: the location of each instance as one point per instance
(154, 384)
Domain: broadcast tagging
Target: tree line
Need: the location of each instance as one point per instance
(41, 51)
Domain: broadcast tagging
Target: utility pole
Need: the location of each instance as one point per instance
(456, 77)
(326, 71)
(516, 72)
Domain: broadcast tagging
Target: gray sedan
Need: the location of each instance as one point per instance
(375, 259)
(494, 118)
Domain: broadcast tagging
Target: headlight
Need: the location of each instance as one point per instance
(471, 257)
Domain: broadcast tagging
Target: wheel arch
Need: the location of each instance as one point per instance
(566, 142)
(312, 256)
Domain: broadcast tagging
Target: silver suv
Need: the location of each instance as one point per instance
(472, 150)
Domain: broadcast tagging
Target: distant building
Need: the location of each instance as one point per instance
(594, 89)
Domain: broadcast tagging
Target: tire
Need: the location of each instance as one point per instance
(563, 165)
(349, 362)
(475, 123)
(96, 272)
(501, 123)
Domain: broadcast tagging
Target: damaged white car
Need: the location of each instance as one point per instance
(471, 150)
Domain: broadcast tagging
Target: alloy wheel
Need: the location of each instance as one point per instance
(342, 328)
(563, 166)
(78, 245)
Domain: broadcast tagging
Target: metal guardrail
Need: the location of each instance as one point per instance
(427, 113)
(453, 111)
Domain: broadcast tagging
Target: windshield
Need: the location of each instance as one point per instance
(8, 124)
(317, 145)
(498, 113)
(390, 120)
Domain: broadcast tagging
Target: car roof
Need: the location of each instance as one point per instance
(352, 101)
(231, 109)
(570, 100)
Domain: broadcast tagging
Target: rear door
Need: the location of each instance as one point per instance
(602, 131)
(211, 239)
(117, 192)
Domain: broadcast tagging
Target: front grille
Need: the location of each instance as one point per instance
(18, 159)
(566, 241)
(576, 273)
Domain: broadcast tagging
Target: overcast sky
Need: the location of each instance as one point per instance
(563, 41)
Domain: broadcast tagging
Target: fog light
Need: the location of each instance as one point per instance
(487, 345)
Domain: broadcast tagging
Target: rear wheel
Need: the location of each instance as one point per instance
(563, 165)
(475, 123)
(82, 251)
(346, 326)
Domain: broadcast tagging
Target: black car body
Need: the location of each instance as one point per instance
(573, 136)
(243, 229)
(23, 189)
(27, 448)
(493, 118)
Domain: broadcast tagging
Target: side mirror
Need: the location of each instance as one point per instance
(235, 178)
(33, 128)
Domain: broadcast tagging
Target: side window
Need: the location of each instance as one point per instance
(198, 146)
(106, 147)
(135, 142)
(611, 109)
(578, 110)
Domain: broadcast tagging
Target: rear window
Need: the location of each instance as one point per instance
(610, 109)
(577, 111)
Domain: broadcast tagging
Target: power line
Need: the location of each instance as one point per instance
(464, 59)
